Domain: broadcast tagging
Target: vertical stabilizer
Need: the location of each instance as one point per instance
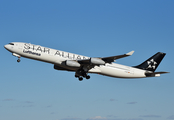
(152, 63)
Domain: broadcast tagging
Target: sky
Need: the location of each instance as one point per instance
(33, 90)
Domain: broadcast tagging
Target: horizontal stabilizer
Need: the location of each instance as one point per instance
(154, 74)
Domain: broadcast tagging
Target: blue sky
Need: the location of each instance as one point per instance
(33, 90)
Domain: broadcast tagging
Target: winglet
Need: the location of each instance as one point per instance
(130, 53)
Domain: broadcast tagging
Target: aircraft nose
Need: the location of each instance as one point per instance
(7, 46)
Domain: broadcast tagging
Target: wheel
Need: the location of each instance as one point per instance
(87, 77)
(18, 60)
(76, 76)
(80, 78)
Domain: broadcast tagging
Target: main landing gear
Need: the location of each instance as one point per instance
(81, 74)
(81, 77)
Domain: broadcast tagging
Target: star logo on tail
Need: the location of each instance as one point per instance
(151, 64)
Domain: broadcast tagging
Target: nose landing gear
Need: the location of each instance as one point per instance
(16, 55)
(18, 59)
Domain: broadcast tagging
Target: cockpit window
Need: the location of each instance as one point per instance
(11, 43)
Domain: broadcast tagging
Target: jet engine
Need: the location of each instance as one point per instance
(97, 61)
(72, 63)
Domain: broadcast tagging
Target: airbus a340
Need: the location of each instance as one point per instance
(83, 65)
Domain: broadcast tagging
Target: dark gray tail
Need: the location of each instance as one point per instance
(152, 63)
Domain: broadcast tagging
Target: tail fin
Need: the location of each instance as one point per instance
(152, 63)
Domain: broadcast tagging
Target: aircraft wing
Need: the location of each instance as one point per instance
(113, 58)
(103, 60)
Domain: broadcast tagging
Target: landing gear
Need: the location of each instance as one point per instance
(87, 77)
(80, 74)
(16, 55)
(80, 78)
(18, 59)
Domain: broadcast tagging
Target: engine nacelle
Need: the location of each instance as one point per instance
(71, 63)
(97, 61)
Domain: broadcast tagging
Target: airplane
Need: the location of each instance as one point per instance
(83, 65)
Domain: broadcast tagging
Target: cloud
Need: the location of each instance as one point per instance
(111, 116)
(154, 116)
(48, 106)
(131, 102)
(171, 117)
(97, 118)
(28, 106)
(113, 99)
(29, 102)
(135, 119)
(8, 100)
(52, 113)
(74, 118)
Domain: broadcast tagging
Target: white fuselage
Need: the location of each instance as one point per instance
(56, 57)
